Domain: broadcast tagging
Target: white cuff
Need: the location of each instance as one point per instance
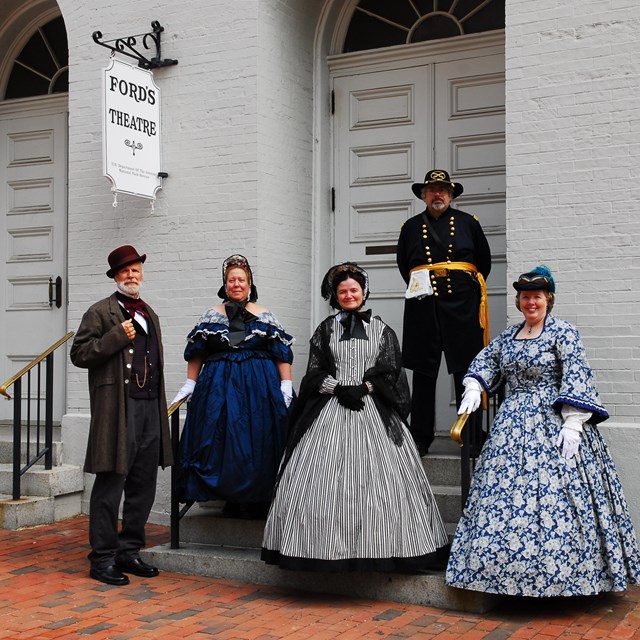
(573, 417)
(472, 383)
(328, 385)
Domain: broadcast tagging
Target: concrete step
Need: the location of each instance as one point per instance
(444, 445)
(442, 469)
(6, 429)
(6, 452)
(46, 496)
(37, 481)
(32, 511)
(205, 524)
(26, 512)
(449, 501)
(244, 565)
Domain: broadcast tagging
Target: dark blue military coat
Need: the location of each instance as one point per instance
(448, 320)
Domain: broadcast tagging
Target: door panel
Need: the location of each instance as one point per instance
(382, 139)
(390, 128)
(470, 141)
(33, 172)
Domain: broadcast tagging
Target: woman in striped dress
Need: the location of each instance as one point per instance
(351, 493)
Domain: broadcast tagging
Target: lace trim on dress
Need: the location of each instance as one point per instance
(216, 323)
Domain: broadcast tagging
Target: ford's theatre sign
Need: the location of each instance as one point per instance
(131, 135)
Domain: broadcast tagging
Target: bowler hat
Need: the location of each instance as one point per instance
(121, 257)
(437, 176)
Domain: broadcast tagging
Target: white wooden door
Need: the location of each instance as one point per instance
(383, 138)
(390, 128)
(33, 223)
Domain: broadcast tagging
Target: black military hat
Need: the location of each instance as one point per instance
(437, 176)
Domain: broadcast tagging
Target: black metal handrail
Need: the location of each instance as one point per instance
(176, 512)
(472, 438)
(33, 422)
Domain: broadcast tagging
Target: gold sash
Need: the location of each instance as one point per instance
(483, 315)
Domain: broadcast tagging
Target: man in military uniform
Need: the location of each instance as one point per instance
(444, 257)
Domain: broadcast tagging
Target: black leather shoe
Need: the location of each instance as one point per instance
(138, 567)
(109, 575)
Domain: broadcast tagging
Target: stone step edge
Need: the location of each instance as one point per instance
(244, 565)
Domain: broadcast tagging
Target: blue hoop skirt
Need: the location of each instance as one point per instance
(236, 426)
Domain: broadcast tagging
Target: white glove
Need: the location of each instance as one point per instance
(472, 396)
(185, 390)
(286, 387)
(569, 440)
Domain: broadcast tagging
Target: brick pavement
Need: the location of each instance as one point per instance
(45, 593)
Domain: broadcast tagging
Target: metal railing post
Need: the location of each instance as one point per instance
(465, 462)
(17, 420)
(175, 504)
(48, 416)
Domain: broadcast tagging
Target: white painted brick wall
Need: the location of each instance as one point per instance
(285, 91)
(573, 148)
(237, 143)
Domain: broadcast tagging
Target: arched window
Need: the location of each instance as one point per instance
(380, 23)
(42, 67)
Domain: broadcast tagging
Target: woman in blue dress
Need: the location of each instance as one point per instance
(239, 384)
(546, 515)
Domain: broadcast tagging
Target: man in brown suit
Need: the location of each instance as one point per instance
(120, 343)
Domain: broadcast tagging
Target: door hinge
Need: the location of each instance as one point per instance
(333, 101)
(333, 198)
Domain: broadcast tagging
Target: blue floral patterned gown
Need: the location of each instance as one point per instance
(535, 523)
(236, 426)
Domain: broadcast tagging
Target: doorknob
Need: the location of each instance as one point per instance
(57, 285)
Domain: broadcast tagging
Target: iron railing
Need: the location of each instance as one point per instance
(176, 512)
(38, 445)
(472, 438)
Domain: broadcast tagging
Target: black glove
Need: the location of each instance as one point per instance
(350, 396)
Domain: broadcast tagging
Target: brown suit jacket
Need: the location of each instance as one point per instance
(101, 346)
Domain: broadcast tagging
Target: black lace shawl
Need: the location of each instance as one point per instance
(388, 378)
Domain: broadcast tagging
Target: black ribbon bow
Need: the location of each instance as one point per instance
(352, 321)
(238, 317)
(133, 305)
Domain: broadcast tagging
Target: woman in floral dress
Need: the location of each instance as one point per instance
(546, 515)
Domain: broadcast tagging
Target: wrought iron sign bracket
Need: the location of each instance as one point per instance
(131, 46)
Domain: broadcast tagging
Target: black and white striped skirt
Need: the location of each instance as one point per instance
(350, 499)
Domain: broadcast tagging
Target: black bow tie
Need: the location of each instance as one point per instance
(352, 321)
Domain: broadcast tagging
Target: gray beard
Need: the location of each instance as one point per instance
(128, 289)
(440, 206)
